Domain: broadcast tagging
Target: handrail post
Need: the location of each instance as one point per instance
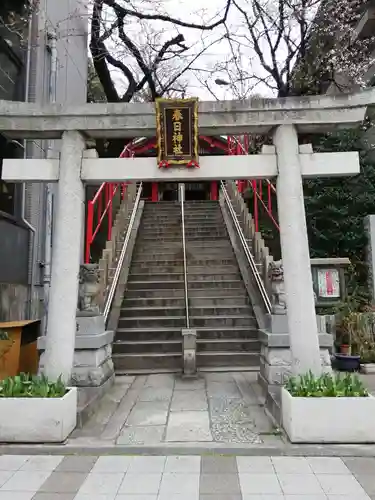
(89, 228)
(182, 199)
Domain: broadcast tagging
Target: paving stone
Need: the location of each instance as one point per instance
(110, 464)
(253, 465)
(264, 484)
(327, 465)
(152, 434)
(360, 465)
(291, 465)
(218, 464)
(53, 496)
(160, 380)
(219, 484)
(190, 385)
(367, 481)
(188, 426)
(147, 465)
(219, 377)
(42, 463)
(172, 484)
(229, 390)
(151, 413)
(26, 481)
(333, 484)
(14, 495)
(12, 462)
(189, 401)
(101, 484)
(226, 496)
(186, 464)
(76, 464)
(5, 475)
(63, 482)
(155, 394)
(137, 497)
(108, 496)
(299, 484)
(140, 484)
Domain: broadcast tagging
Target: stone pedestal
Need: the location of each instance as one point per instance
(276, 364)
(93, 370)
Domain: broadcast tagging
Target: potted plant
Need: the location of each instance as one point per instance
(331, 408)
(36, 410)
(347, 359)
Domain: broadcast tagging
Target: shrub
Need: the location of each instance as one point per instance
(326, 385)
(29, 386)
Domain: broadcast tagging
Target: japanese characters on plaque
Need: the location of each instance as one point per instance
(177, 132)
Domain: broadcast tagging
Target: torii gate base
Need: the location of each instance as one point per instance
(287, 161)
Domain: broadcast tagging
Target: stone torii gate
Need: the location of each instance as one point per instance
(286, 160)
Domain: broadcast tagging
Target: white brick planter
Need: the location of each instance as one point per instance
(38, 420)
(328, 420)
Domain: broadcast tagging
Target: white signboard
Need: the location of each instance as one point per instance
(329, 283)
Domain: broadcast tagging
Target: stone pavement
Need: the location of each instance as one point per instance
(166, 409)
(185, 478)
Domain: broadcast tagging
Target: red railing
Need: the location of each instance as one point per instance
(100, 208)
(261, 198)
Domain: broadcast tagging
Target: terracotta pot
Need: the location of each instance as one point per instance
(344, 349)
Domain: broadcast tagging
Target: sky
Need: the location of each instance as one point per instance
(195, 11)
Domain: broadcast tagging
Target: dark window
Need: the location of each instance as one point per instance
(8, 190)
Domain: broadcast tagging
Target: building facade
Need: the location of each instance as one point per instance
(47, 64)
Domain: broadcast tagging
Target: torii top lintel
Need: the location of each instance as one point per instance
(312, 114)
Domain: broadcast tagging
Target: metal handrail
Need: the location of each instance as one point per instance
(120, 262)
(248, 254)
(182, 198)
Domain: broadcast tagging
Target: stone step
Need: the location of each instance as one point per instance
(148, 346)
(228, 345)
(145, 264)
(180, 321)
(144, 238)
(150, 226)
(175, 345)
(179, 284)
(195, 233)
(180, 301)
(239, 291)
(171, 311)
(179, 268)
(226, 359)
(171, 361)
(174, 333)
(210, 276)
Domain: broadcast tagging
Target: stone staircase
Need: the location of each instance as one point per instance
(148, 336)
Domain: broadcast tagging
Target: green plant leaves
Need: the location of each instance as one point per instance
(25, 385)
(327, 385)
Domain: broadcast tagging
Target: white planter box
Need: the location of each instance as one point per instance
(328, 420)
(368, 368)
(38, 420)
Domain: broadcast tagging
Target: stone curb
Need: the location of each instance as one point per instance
(192, 449)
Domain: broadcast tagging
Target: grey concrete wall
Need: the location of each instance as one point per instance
(68, 19)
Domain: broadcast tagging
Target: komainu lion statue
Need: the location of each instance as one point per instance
(276, 278)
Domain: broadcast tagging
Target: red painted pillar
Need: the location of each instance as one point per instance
(155, 192)
(214, 193)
